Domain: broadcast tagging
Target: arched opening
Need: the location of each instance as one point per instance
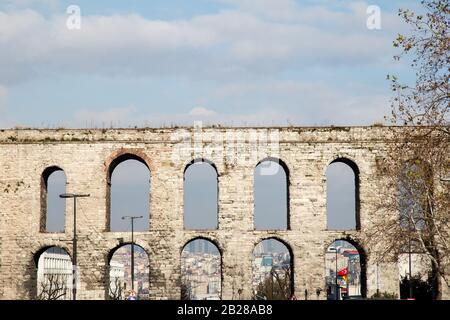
(201, 271)
(415, 185)
(418, 274)
(343, 195)
(128, 193)
(122, 281)
(53, 208)
(271, 195)
(54, 274)
(200, 195)
(345, 270)
(272, 268)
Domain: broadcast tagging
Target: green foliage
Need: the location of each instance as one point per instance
(384, 295)
(428, 47)
(421, 289)
(422, 147)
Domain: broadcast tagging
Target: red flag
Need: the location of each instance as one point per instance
(343, 272)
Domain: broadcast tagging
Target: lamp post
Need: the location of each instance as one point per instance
(336, 275)
(132, 246)
(410, 269)
(378, 279)
(411, 229)
(74, 196)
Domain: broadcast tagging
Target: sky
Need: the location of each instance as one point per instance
(161, 63)
(270, 199)
(200, 197)
(340, 197)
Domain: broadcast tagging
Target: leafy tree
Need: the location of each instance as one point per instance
(384, 295)
(414, 168)
(276, 286)
(422, 289)
(426, 102)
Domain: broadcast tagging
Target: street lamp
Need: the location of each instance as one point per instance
(411, 229)
(410, 269)
(74, 196)
(336, 274)
(132, 246)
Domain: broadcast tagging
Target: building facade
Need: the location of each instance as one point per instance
(54, 275)
(89, 156)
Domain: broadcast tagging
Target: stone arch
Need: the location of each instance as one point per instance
(281, 164)
(420, 182)
(188, 212)
(111, 164)
(351, 164)
(290, 272)
(44, 248)
(112, 251)
(124, 154)
(214, 289)
(344, 158)
(114, 288)
(197, 160)
(363, 258)
(279, 161)
(46, 173)
(214, 241)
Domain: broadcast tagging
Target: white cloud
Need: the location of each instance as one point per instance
(308, 103)
(272, 9)
(18, 4)
(231, 43)
(238, 54)
(201, 112)
(281, 103)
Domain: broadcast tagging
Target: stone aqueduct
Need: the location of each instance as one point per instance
(87, 156)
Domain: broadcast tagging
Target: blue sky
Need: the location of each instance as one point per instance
(152, 63)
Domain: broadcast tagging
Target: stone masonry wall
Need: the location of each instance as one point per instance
(85, 156)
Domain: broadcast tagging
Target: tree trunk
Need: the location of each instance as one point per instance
(437, 282)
